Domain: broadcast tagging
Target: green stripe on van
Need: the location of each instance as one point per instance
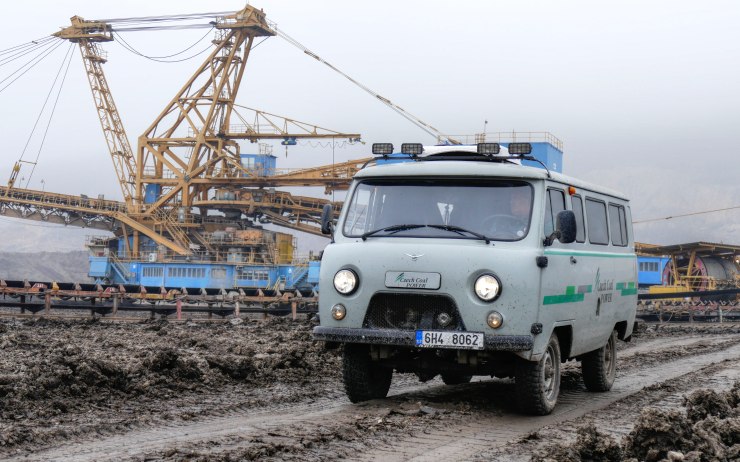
(585, 253)
(627, 288)
(572, 294)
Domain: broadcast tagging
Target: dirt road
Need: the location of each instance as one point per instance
(286, 401)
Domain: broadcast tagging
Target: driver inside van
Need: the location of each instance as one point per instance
(513, 223)
(520, 203)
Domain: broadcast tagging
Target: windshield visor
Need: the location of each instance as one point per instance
(500, 210)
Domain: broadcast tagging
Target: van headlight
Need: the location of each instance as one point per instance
(345, 281)
(487, 287)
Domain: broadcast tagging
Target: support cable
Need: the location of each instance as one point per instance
(154, 58)
(41, 112)
(38, 58)
(637, 222)
(171, 17)
(398, 109)
(53, 109)
(23, 52)
(27, 44)
(128, 47)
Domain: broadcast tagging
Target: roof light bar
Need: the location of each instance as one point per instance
(382, 149)
(488, 149)
(412, 149)
(518, 149)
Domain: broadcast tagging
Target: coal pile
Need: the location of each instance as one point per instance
(71, 374)
(706, 429)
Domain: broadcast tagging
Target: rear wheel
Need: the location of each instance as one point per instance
(538, 383)
(363, 379)
(455, 379)
(599, 367)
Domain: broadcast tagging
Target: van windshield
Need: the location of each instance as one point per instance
(466, 209)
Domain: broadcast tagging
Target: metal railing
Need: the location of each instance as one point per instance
(507, 137)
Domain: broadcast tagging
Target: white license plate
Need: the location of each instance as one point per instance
(458, 340)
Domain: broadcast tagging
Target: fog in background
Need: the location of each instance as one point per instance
(644, 94)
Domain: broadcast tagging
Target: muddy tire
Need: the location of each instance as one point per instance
(538, 383)
(363, 379)
(599, 367)
(456, 379)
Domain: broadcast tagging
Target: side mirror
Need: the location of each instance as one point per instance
(327, 215)
(565, 226)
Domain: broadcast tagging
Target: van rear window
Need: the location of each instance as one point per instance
(598, 233)
(618, 224)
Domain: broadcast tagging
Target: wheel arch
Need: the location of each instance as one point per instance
(621, 328)
(565, 340)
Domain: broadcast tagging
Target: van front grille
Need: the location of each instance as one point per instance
(411, 312)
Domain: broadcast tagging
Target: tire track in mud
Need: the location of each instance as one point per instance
(467, 440)
(478, 432)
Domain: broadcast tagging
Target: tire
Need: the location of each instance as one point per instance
(363, 379)
(538, 383)
(456, 379)
(599, 367)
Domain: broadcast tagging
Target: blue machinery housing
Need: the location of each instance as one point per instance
(205, 275)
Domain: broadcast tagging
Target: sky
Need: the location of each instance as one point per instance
(644, 95)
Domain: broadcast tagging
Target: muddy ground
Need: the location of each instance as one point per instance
(263, 390)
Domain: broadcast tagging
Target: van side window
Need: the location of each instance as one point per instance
(555, 205)
(618, 224)
(598, 232)
(577, 204)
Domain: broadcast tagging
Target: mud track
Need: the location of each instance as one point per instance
(288, 417)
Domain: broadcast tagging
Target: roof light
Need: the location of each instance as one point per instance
(412, 149)
(488, 149)
(382, 149)
(571, 190)
(518, 149)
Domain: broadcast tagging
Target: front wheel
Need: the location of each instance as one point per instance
(363, 379)
(538, 383)
(599, 367)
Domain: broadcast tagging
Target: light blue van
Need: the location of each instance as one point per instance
(465, 263)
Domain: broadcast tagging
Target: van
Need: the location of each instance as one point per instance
(466, 263)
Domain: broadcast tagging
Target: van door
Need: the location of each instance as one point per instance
(568, 296)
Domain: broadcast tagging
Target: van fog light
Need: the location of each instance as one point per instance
(487, 287)
(444, 319)
(338, 311)
(495, 320)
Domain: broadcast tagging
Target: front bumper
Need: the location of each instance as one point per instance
(407, 338)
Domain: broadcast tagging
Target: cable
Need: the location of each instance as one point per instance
(128, 47)
(52, 48)
(167, 56)
(150, 28)
(398, 109)
(686, 215)
(48, 95)
(173, 17)
(21, 52)
(51, 116)
(31, 43)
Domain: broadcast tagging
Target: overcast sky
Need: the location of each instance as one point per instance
(643, 94)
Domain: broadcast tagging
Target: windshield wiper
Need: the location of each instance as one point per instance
(390, 230)
(459, 230)
(452, 228)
